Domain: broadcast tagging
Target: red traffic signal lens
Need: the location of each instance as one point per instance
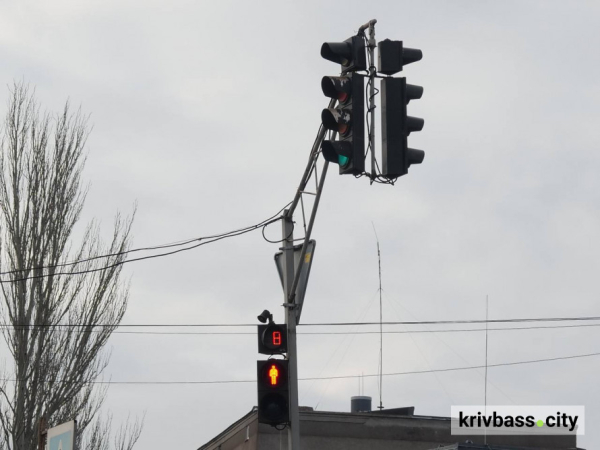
(337, 87)
(273, 374)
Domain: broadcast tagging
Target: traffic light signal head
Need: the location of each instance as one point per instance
(347, 118)
(273, 393)
(392, 56)
(350, 53)
(396, 125)
(272, 339)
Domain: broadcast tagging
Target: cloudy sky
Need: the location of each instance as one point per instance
(204, 114)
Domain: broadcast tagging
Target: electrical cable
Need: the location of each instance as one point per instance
(281, 240)
(108, 255)
(203, 241)
(448, 322)
(447, 345)
(378, 178)
(428, 322)
(341, 377)
(317, 333)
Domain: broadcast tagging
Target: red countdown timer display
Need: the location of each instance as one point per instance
(275, 338)
(272, 339)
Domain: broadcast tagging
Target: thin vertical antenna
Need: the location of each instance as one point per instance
(486, 367)
(380, 325)
(361, 384)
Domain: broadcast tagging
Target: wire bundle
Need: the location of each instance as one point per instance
(189, 244)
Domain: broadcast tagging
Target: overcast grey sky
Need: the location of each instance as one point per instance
(204, 113)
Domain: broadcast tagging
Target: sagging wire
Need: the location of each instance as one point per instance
(199, 242)
(280, 240)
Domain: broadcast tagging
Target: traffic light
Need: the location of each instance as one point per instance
(350, 53)
(396, 125)
(392, 56)
(272, 339)
(273, 394)
(347, 118)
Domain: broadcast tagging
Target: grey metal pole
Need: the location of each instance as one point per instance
(287, 231)
(311, 162)
(371, 100)
(309, 230)
(290, 274)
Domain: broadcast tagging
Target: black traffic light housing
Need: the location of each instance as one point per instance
(396, 125)
(272, 339)
(392, 56)
(348, 119)
(351, 53)
(273, 392)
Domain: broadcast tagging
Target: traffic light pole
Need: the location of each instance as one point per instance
(371, 100)
(291, 320)
(310, 168)
(348, 54)
(291, 276)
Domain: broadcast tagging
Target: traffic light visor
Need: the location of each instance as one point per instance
(413, 92)
(351, 53)
(411, 55)
(339, 88)
(415, 156)
(414, 124)
(337, 52)
(336, 119)
(337, 152)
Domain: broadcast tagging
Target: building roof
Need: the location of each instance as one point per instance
(376, 430)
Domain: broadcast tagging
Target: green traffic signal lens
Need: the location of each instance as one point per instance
(343, 161)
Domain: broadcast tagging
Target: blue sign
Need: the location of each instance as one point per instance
(61, 442)
(62, 437)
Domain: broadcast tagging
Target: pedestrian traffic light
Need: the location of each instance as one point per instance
(273, 393)
(396, 125)
(272, 339)
(392, 56)
(350, 53)
(347, 118)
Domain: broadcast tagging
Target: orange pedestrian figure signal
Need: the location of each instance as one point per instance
(274, 375)
(273, 392)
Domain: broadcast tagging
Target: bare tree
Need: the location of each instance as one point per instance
(55, 316)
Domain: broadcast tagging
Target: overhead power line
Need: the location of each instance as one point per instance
(331, 324)
(339, 377)
(321, 333)
(455, 322)
(200, 242)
